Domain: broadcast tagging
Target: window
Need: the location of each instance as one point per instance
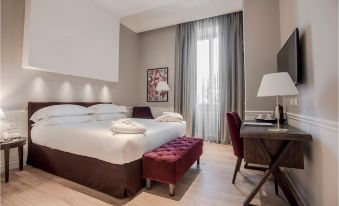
(207, 90)
(207, 71)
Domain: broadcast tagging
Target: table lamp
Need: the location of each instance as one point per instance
(276, 85)
(162, 86)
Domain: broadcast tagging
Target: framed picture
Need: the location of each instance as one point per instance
(153, 77)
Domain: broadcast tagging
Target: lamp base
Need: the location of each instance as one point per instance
(278, 130)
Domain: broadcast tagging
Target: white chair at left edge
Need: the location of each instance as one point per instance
(277, 84)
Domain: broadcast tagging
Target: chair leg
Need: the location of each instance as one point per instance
(276, 186)
(237, 167)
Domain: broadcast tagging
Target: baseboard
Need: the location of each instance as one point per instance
(289, 177)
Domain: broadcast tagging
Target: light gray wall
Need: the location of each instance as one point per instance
(318, 25)
(261, 44)
(318, 100)
(18, 86)
(125, 91)
(157, 49)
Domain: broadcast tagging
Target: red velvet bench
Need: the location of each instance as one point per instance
(169, 162)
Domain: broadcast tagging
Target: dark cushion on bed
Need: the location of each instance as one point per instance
(170, 161)
(142, 112)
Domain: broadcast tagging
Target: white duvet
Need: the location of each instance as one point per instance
(95, 139)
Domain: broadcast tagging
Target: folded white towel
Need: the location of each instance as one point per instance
(127, 126)
(170, 117)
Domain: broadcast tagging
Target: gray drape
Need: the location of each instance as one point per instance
(228, 74)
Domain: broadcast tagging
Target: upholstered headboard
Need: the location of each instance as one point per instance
(35, 106)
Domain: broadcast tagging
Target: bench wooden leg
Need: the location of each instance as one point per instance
(171, 189)
(148, 184)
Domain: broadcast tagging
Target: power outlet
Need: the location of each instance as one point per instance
(12, 125)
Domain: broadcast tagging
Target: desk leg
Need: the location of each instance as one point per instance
(275, 165)
(6, 151)
(21, 157)
(286, 186)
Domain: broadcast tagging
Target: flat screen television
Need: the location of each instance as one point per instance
(289, 57)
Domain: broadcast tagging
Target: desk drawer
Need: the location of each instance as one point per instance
(293, 159)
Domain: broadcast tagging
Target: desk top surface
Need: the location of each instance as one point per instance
(262, 132)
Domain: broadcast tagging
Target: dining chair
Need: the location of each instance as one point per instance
(234, 125)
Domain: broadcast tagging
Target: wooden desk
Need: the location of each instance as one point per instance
(283, 149)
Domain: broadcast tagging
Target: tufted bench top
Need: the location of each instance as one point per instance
(173, 150)
(170, 161)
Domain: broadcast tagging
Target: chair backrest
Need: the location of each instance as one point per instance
(234, 124)
(142, 112)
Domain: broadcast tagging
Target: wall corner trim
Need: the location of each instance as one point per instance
(323, 123)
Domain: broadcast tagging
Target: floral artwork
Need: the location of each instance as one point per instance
(153, 77)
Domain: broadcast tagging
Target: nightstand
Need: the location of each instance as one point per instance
(15, 143)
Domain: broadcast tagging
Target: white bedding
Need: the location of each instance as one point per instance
(95, 139)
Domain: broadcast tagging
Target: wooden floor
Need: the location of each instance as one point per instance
(209, 185)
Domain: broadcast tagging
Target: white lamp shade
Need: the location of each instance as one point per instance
(162, 86)
(2, 114)
(277, 84)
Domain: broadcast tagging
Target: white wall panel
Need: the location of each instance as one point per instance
(74, 37)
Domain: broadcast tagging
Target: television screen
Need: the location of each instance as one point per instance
(289, 57)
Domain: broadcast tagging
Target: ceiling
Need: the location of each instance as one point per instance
(145, 15)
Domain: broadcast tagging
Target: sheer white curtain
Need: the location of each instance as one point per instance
(207, 108)
(209, 74)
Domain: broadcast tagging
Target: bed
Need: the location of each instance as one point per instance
(89, 154)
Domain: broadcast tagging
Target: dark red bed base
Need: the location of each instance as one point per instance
(116, 180)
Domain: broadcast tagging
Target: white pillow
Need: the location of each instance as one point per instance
(170, 117)
(64, 120)
(108, 109)
(103, 117)
(60, 111)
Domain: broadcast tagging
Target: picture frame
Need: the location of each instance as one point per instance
(153, 77)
